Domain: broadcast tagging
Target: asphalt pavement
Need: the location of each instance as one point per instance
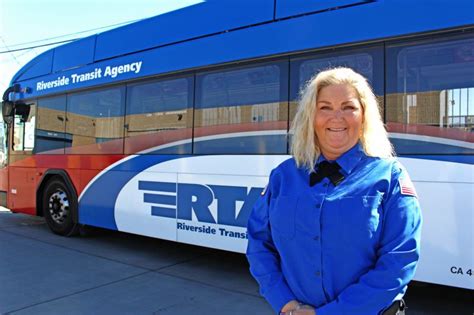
(107, 272)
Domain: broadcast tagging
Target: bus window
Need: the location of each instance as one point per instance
(242, 110)
(160, 117)
(95, 121)
(24, 131)
(50, 134)
(430, 96)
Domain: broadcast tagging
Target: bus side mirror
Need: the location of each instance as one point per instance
(22, 110)
(7, 112)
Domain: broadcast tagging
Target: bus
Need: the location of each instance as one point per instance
(169, 127)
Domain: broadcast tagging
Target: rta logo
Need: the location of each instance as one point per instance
(178, 200)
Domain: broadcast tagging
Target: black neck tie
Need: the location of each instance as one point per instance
(329, 170)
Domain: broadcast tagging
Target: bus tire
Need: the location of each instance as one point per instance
(60, 208)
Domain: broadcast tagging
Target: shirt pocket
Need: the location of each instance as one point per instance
(358, 217)
(282, 216)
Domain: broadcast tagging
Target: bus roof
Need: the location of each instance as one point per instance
(199, 20)
(216, 32)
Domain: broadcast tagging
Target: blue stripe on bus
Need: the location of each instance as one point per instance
(161, 199)
(464, 159)
(157, 186)
(186, 148)
(264, 144)
(163, 212)
(276, 144)
(411, 146)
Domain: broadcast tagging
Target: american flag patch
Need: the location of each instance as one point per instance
(406, 187)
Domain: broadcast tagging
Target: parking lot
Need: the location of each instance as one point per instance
(105, 272)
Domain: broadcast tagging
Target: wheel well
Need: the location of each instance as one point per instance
(48, 176)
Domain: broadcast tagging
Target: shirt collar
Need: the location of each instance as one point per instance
(349, 159)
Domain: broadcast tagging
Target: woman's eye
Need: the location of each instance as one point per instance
(324, 108)
(349, 108)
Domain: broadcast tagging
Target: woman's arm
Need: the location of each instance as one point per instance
(263, 257)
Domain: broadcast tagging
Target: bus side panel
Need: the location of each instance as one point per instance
(447, 233)
(26, 174)
(183, 198)
(80, 168)
(21, 196)
(4, 179)
(101, 178)
(445, 193)
(147, 204)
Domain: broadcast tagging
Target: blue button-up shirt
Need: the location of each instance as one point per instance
(345, 249)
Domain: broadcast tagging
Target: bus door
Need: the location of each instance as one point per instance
(22, 166)
(3, 163)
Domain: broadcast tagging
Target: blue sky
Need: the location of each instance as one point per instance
(26, 23)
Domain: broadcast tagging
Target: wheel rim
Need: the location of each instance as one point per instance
(58, 206)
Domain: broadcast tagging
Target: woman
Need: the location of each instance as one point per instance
(337, 230)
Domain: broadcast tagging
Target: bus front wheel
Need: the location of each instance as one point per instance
(59, 208)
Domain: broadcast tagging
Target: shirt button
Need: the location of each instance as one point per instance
(318, 273)
(325, 185)
(316, 238)
(318, 205)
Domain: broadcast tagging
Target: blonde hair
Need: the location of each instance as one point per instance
(374, 138)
